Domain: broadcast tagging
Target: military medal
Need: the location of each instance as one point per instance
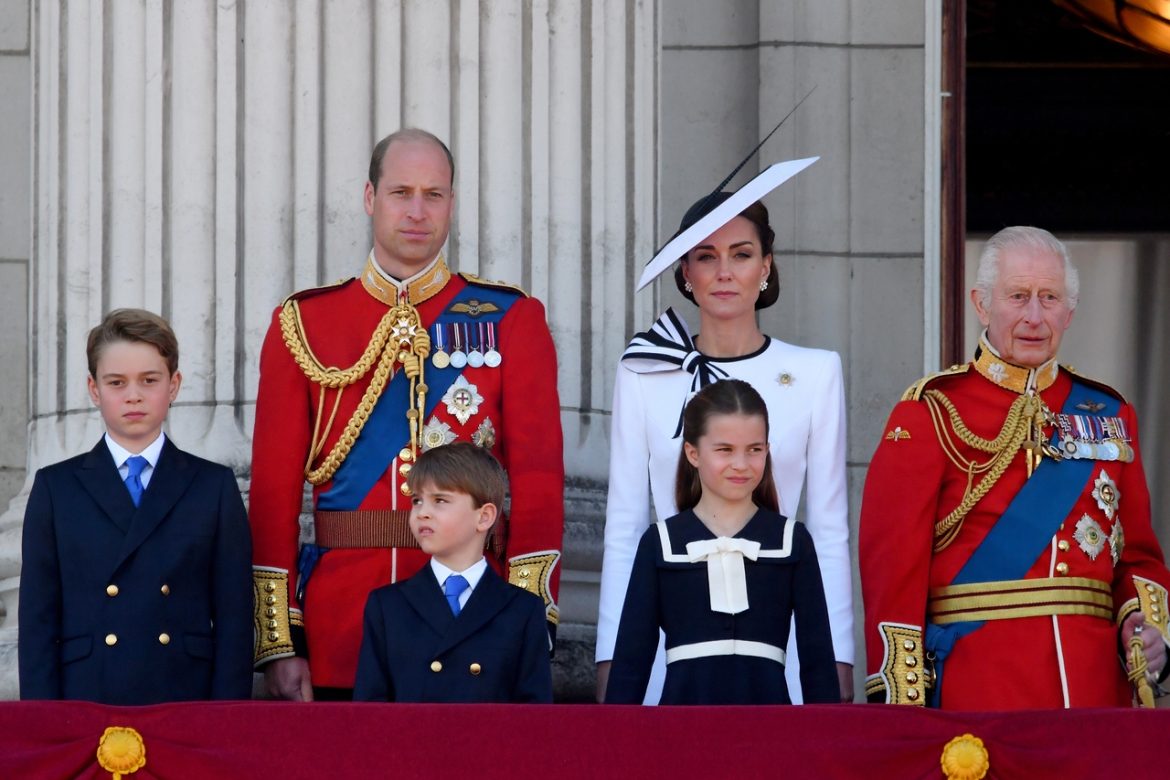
(1090, 537)
(1107, 495)
(485, 434)
(440, 359)
(1089, 437)
(462, 399)
(1117, 541)
(492, 358)
(475, 355)
(436, 434)
(458, 356)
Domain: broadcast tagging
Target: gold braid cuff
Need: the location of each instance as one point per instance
(1023, 427)
(903, 678)
(1151, 602)
(533, 573)
(272, 620)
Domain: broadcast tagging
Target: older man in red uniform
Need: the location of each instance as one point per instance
(1007, 556)
(355, 380)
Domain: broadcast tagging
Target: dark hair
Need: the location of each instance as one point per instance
(757, 214)
(405, 134)
(133, 325)
(461, 467)
(727, 396)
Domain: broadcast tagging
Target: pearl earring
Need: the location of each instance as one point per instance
(688, 287)
(763, 285)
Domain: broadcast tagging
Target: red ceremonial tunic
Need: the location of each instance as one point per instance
(518, 406)
(1039, 661)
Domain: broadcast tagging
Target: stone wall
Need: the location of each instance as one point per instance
(15, 209)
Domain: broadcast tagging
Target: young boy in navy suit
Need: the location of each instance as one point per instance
(456, 631)
(136, 555)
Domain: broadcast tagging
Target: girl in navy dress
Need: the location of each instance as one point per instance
(724, 577)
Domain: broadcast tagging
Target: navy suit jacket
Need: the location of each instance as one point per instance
(414, 649)
(135, 605)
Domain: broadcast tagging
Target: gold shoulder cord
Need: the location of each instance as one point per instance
(403, 323)
(1024, 418)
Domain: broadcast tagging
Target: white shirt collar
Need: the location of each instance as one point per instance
(151, 452)
(473, 574)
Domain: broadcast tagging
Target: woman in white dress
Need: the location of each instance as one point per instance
(729, 275)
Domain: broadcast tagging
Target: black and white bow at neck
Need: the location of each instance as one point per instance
(668, 346)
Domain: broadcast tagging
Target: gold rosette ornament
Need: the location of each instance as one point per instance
(965, 758)
(121, 751)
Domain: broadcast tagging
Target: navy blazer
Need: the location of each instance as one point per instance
(136, 605)
(414, 649)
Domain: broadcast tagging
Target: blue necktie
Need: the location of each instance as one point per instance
(135, 464)
(454, 585)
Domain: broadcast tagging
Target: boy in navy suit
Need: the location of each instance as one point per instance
(456, 631)
(136, 555)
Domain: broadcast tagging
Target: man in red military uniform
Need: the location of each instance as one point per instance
(355, 380)
(1007, 556)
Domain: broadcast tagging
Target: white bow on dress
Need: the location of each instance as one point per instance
(726, 580)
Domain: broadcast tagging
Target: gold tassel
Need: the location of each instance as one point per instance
(1138, 667)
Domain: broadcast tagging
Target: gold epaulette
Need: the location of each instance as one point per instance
(915, 391)
(477, 280)
(309, 292)
(1099, 385)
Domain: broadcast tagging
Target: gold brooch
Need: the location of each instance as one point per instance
(897, 434)
(474, 308)
(786, 379)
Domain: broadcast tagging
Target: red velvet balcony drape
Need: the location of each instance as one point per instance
(284, 741)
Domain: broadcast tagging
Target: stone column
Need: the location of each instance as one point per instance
(204, 159)
(15, 62)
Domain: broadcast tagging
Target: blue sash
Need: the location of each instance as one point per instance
(1025, 528)
(387, 430)
(371, 453)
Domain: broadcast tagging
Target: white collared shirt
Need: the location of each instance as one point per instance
(151, 453)
(472, 574)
